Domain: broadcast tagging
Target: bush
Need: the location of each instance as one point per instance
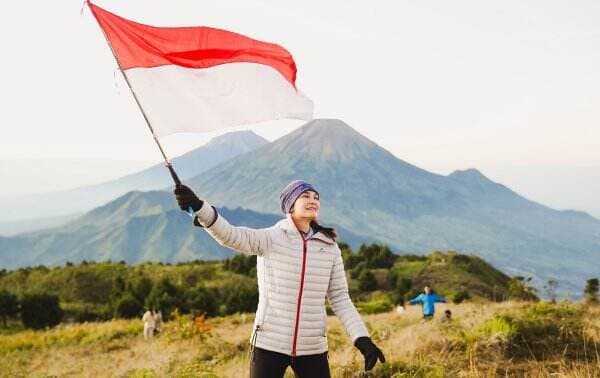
(140, 288)
(241, 264)
(9, 306)
(377, 256)
(202, 300)
(591, 290)
(165, 296)
(544, 330)
(40, 311)
(241, 298)
(461, 296)
(367, 281)
(86, 312)
(128, 307)
(374, 307)
(358, 269)
(400, 289)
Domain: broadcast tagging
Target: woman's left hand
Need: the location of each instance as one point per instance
(370, 352)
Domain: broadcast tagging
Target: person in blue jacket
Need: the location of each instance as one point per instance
(428, 299)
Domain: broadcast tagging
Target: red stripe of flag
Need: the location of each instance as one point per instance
(137, 45)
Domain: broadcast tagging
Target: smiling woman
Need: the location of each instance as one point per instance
(299, 264)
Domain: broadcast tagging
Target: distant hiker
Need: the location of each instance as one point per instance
(149, 324)
(427, 300)
(158, 320)
(299, 264)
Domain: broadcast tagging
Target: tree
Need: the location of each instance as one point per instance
(165, 296)
(140, 288)
(401, 287)
(9, 306)
(241, 298)
(367, 281)
(241, 264)
(519, 288)
(89, 286)
(351, 259)
(591, 290)
(461, 296)
(202, 300)
(377, 256)
(128, 307)
(40, 310)
(550, 288)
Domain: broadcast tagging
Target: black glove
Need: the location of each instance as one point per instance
(369, 351)
(186, 199)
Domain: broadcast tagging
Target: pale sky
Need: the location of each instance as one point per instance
(462, 83)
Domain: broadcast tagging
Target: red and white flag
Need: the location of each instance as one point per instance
(199, 79)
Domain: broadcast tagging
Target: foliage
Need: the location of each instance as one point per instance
(542, 330)
(240, 298)
(188, 327)
(128, 307)
(98, 291)
(164, 296)
(550, 288)
(400, 286)
(519, 288)
(591, 290)
(202, 300)
(241, 264)
(40, 311)
(374, 307)
(367, 281)
(461, 296)
(70, 335)
(9, 306)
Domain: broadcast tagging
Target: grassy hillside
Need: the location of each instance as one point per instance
(513, 339)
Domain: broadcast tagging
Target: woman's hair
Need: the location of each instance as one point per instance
(327, 231)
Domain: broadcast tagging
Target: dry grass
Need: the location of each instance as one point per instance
(413, 347)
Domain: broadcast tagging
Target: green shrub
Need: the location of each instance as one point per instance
(86, 312)
(498, 326)
(461, 296)
(40, 311)
(128, 307)
(374, 307)
(9, 306)
(367, 281)
(241, 264)
(241, 298)
(165, 296)
(202, 300)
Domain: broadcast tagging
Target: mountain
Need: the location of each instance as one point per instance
(61, 203)
(136, 227)
(366, 192)
(370, 192)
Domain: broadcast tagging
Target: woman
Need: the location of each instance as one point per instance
(298, 265)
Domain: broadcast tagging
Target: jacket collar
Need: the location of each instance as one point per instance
(290, 229)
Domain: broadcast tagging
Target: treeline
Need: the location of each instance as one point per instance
(42, 297)
(378, 279)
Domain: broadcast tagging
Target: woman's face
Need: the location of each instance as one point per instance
(306, 206)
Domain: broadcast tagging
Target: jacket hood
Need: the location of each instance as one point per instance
(288, 226)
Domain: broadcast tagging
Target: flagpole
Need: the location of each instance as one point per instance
(137, 101)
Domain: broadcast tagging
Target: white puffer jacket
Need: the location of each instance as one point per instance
(294, 278)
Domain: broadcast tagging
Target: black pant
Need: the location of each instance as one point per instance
(267, 364)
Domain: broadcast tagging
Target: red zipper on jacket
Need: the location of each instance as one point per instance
(299, 302)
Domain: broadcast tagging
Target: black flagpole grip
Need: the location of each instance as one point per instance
(173, 174)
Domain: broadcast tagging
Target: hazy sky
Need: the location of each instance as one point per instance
(456, 83)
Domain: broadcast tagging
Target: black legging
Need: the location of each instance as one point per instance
(267, 364)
